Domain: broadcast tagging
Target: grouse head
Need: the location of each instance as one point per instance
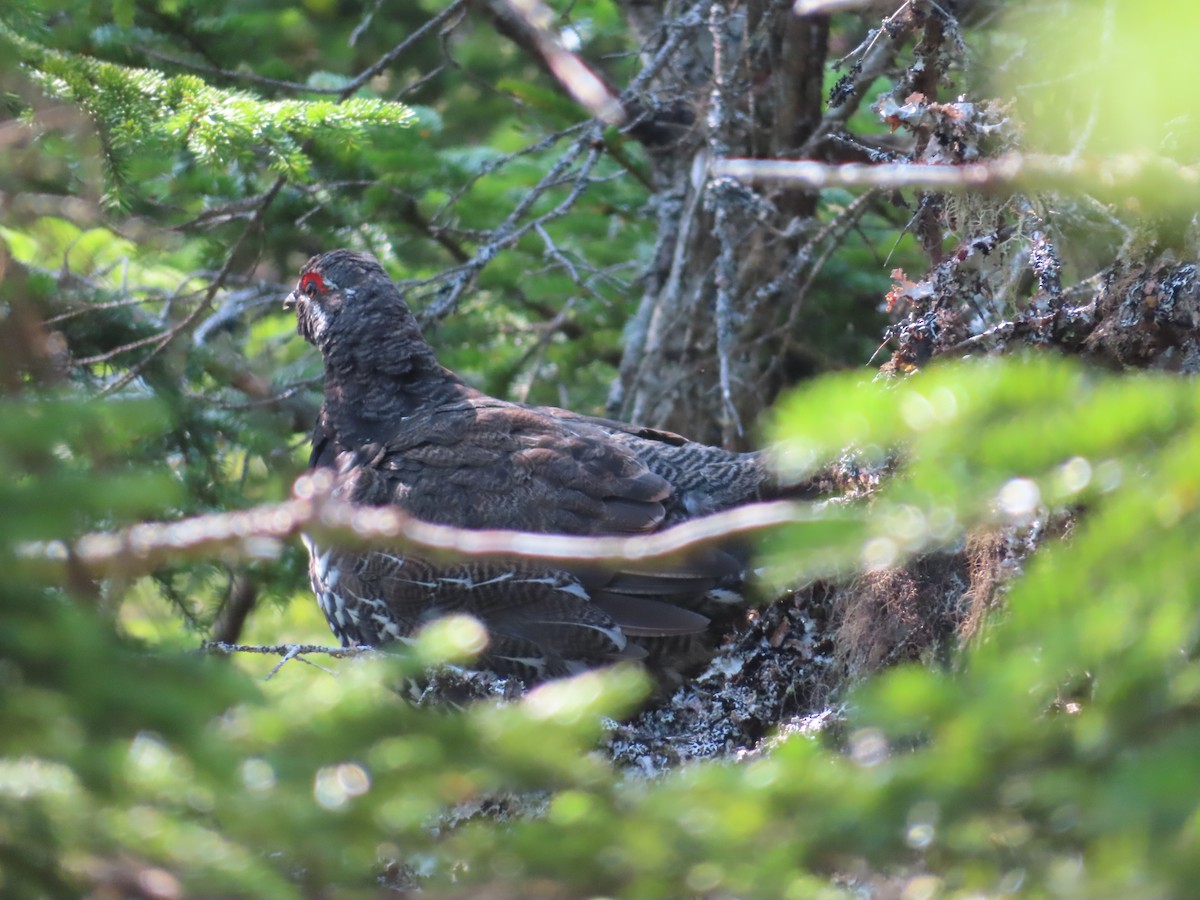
(349, 309)
(341, 281)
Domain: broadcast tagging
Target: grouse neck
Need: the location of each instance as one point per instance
(366, 403)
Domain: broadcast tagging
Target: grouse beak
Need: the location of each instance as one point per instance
(289, 302)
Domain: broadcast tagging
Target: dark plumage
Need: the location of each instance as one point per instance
(401, 429)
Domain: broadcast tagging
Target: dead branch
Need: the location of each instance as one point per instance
(285, 650)
(511, 230)
(877, 54)
(1013, 171)
(826, 7)
(528, 24)
(188, 322)
(288, 652)
(259, 533)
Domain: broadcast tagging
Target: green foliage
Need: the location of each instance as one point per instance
(1142, 105)
(160, 380)
(1055, 756)
(141, 112)
(990, 775)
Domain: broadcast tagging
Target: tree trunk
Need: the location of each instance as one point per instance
(705, 353)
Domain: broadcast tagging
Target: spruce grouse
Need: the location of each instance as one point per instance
(401, 429)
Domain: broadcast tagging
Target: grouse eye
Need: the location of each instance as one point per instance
(312, 283)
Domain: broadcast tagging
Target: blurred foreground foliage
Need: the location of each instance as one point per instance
(166, 211)
(1055, 760)
(1109, 78)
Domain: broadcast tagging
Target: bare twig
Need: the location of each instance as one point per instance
(294, 653)
(826, 7)
(235, 75)
(831, 236)
(187, 322)
(877, 56)
(492, 165)
(285, 650)
(288, 652)
(509, 231)
(388, 58)
(678, 29)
